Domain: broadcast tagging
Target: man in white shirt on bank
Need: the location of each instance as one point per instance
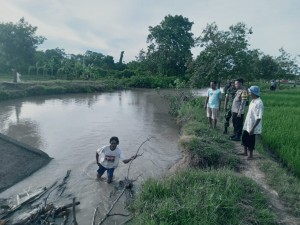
(253, 121)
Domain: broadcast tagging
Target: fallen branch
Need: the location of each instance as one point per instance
(112, 206)
(94, 216)
(74, 215)
(136, 154)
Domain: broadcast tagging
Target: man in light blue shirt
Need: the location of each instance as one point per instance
(213, 103)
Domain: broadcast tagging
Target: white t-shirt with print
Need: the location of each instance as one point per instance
(108, 158)
(255, 112)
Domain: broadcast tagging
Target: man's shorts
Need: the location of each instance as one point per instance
(248, 140)
(212, 113)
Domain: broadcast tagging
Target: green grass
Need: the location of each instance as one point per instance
(211, 148)
(281, 126)
(212, 195)
(284, 183)
(202, 197)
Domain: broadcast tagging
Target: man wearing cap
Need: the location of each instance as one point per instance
(238, 109)
(253, 121)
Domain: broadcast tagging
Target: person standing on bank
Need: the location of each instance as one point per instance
(238, 109)
(229, 96)
(213, 103)
(109, 158)
(253, 121)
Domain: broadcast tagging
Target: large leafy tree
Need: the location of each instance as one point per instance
(288, 66)
(225, 55)
(268, 68)
(170, 45)
(18, 43)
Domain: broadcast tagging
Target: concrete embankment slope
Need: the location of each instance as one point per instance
(18, 160)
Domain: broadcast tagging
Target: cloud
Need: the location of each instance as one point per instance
(110, 27)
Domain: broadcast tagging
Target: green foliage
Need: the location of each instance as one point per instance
(18, 43)
(169, 47)
(280, 129)
(225, 55)
(200, 197)
(147, 82)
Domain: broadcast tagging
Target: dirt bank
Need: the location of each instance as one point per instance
(17, 161)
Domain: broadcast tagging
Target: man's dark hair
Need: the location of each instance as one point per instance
(241, 80)
(215, 82)
(114, 139)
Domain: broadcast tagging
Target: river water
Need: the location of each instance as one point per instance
(70, 128)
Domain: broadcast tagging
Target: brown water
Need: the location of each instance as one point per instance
(70, 128)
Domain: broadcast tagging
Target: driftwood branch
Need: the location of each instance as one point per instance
(112, 206)
(74, 214)
(136, 154)
(94, 216)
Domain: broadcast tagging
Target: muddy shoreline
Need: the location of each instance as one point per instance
(18, 161)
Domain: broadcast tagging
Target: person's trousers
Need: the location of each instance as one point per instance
(102, 169)
(237, 124)
(227, 117)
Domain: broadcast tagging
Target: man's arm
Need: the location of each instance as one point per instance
(206, 101)
(130, 159)
(255, 125)
(226, 102)
(97, 158)
(244, 97)
(220, 100)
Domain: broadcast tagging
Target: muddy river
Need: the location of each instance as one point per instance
(70, 128)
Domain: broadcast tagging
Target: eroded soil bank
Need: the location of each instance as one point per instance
(18, 161)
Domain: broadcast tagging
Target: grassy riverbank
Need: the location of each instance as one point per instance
(31, 87)
(210, 192)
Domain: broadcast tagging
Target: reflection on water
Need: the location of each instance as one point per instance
(71, 127)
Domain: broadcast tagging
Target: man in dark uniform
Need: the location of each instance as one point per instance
(238, 109)
(229, 96)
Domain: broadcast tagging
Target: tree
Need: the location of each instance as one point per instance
(288, 66)
(225, 55)
(170, 45)
(18, 43)
(268, 67)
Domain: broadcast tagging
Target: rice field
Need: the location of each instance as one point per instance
(281, 126)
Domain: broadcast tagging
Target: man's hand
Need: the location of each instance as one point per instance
(239, 114)
(251, 132)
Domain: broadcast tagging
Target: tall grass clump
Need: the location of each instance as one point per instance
(281, 126)
(209, 146)
(202, 197)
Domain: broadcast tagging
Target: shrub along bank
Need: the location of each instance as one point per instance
(208, 193)
(9, 90)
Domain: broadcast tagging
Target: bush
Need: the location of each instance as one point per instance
(200, 197)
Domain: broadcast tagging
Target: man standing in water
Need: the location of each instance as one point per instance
(213, 103)
(253, 122)
(238, 108)
(109, 158)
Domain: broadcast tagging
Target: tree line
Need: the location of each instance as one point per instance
(224, 55)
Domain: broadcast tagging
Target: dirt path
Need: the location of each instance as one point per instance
(251, 169)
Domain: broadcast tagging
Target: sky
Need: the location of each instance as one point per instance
(109, 27)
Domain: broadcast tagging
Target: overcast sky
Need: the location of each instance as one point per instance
(112, 26)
